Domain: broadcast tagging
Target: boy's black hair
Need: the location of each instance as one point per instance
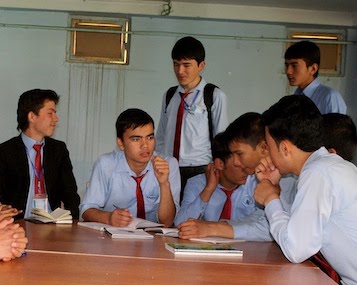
(248, 128)
(340, 134)
(305, 50)
(32, 101)
(220, 147)
(188, 48)
(297, 119)
(131, 119)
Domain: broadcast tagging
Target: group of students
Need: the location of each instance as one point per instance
(271, 176)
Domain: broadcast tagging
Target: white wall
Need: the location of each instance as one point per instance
(250, 72)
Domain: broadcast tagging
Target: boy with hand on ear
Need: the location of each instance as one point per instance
(218, 193)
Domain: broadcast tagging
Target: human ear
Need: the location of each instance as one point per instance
(120, 144)
(218, 163)
(314, 68)
(264, 148)
(284, 148)
(31, 116)
(202, 65)
(332, 150)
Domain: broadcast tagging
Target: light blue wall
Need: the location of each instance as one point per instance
(251, 72)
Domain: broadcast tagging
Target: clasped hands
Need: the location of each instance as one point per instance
(269, 176)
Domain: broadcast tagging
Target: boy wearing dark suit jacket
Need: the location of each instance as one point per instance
(35, 170)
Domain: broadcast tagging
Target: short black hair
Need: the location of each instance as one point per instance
(297, 119)
(220, 147)
(305, 50)
(340, 134)
(188, 48)
(247, 128)
(32, 101)
(131, 119)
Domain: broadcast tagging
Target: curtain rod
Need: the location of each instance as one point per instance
(165, 33)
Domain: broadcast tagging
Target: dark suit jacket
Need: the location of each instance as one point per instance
(59, 179)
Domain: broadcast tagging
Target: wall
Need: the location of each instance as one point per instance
(251, 72)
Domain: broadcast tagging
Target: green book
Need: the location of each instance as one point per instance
(203, 249)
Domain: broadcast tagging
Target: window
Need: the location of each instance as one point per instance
(99, 41)
(331, 62)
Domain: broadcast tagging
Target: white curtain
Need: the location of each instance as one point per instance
(96, 94)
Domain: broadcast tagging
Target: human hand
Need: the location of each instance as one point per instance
(7, 211)
(161, 169)
(120, 218)
(193, 228)
(267, 170)
(265, 191)
(19, 243)
(7, 240)
(212, 177)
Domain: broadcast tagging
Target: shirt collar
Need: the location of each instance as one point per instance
(29, 142)
(123, 166)
(310, 89)
(199, 87)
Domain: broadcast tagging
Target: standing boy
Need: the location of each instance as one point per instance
(302, 62)
(35, 170)
(183, 130)
(132, 181)
(322, 216)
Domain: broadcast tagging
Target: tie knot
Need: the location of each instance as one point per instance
(227, 192)
(37, 147)
(138, 179)
(184, 95)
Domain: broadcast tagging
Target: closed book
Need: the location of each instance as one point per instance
(217, 240)
(203, 249)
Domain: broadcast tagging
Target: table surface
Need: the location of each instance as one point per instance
(70, 254)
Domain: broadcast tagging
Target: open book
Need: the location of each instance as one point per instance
(116, 232)
(136, 223)
(58, 216)
(203, 249)
(171, 232)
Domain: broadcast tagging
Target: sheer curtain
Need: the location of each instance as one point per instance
(96, 94)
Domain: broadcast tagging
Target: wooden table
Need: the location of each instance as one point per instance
(69, 254)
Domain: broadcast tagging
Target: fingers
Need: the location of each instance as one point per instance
(120, 218)
(160, 165)
(265, 165)
(161, 169)
(4, 223)
(212, 177)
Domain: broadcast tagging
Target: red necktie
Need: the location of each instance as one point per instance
(140, 212)
(180, 112)
(227, 208)
(39, 179)
(323, 264)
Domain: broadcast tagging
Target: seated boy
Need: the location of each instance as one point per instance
(322, 214)
(132, 181)
(246, 140)
(340, 135)
(220, 193)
